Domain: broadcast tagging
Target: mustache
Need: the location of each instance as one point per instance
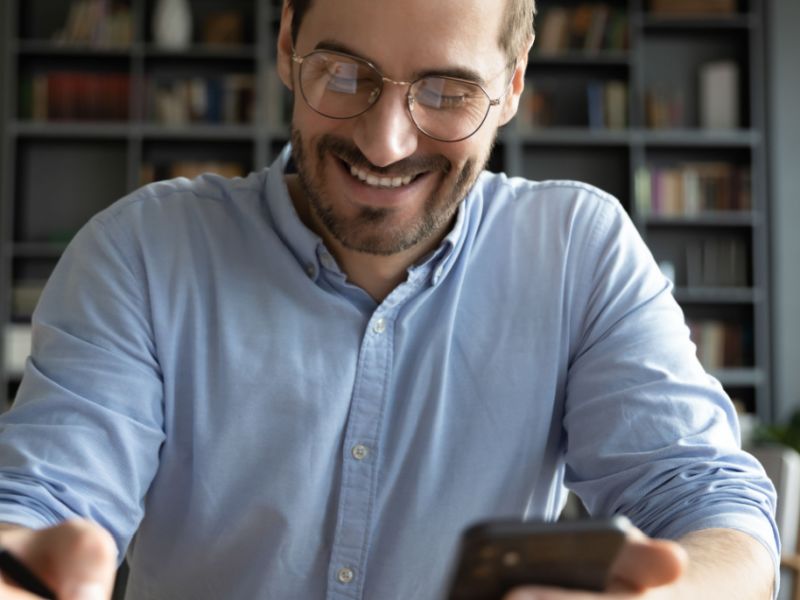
(349, 153)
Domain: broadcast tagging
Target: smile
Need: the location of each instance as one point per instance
(379, 181)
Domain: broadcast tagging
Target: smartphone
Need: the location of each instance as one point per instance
(497, 556)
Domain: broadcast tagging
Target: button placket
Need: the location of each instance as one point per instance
(359, 469)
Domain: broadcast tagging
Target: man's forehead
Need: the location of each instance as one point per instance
(416, 36)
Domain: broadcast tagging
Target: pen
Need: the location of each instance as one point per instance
(22, 575)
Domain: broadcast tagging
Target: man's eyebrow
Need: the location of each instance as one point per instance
(455, 71)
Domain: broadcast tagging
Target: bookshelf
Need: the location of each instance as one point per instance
(616, 95)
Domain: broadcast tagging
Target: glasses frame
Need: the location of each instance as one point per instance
(299, 60)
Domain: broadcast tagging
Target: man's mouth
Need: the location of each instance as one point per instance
(380, 181)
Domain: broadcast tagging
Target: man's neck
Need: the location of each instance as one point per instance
(376, 274)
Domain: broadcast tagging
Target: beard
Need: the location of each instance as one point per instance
(376, 230)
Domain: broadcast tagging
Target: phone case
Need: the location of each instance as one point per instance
(500, 555)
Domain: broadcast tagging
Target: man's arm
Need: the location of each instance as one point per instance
(712, 564)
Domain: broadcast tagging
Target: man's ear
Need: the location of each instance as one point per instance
(285, 45)
(511, 102)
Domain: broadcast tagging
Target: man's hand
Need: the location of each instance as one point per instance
(76, 559)
(708, 564)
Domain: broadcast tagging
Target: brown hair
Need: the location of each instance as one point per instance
(515, 32)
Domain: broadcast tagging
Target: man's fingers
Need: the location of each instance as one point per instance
(647, 563)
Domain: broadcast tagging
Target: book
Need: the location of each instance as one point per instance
(76, 96)
(224, 28)
(554, 36)
(719, 95)
(616, 104)
(17, 347)
(694, 187)
(227, 99)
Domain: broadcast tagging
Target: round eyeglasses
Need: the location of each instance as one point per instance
(341, 86)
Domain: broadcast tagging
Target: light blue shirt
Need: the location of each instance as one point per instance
(206, 384)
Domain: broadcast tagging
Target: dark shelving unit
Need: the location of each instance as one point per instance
(649, 51)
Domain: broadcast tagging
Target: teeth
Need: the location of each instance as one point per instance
(375, 181)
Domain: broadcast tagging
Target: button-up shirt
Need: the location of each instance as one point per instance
(207, 384)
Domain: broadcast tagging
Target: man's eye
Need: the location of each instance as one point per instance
(434, 100)
(345, 85)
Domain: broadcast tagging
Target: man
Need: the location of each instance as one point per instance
(306, 383)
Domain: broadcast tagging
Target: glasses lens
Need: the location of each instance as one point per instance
(338, 86)
(448, 109)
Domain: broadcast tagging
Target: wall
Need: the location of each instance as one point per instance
(783, 106)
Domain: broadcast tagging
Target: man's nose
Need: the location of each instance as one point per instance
(385, 133)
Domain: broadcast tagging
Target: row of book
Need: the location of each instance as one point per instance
(720, 344)
(717, 262)
(692, 188)
(586, 27)
(75, 96)
(225, 99)
(83, 96)
(606, 106)
(190, 169)
(718, 104)
(97, 23)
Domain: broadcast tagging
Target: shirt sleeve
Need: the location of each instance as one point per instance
(83, 436)
(649, 433)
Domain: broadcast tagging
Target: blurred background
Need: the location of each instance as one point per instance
(685, 110)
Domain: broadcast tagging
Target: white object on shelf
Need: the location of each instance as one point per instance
(17, 347)
(172, 24)
(719, 95)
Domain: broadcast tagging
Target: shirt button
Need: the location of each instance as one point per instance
(327, 260)
(345, 575)
(310, 270)
(359, 451)
(379, 326)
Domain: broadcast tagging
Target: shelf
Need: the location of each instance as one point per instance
(718, 138)
(605, 58)
(83, 130)
(202, 51)
(718, 295)
(680, 138)
(738, 377)
(569, 136)
(697, 23)
(80, 130)
(49, 48)
(37, 249)
(707, 219)
(195, 131)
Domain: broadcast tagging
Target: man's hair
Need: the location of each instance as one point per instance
(515, 33)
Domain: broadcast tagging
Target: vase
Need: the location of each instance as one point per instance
(172, 24)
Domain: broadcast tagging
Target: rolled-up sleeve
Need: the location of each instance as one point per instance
(650, 434)
(83, 437)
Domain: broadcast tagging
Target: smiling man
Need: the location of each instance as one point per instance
(306, 383)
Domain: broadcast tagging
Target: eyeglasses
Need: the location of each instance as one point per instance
(341, 86)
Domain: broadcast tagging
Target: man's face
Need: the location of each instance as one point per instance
(335, 157)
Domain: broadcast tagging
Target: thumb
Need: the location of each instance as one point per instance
(645, 562)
